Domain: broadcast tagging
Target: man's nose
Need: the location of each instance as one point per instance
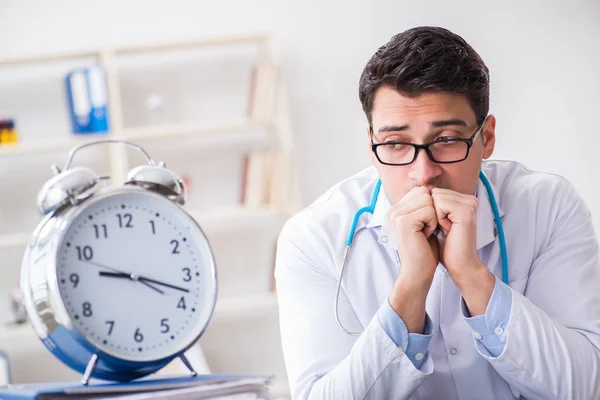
(423, 170)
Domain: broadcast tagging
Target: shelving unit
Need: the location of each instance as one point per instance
(265, 134)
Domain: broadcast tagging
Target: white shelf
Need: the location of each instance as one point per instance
(43, 58)
(233, 136)
(218, 221)
(212, 136)
(45, 145)
(186, 45)
(148, 48)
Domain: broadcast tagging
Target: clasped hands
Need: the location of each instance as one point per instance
(438, 226)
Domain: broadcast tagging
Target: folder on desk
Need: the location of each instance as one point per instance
(238, 387)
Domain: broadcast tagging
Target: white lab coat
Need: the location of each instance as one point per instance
(553, 334)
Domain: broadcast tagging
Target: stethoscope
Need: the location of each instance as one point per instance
(371, 208)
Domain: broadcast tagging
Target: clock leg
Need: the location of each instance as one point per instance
(89, 369)
(186, 362)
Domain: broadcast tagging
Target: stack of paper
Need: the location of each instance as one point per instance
(230, 387)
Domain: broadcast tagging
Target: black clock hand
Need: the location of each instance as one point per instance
(141, 279)
(124, 275)
(121, 274)
(163, 284)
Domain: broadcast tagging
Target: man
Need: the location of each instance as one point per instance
(423, 280)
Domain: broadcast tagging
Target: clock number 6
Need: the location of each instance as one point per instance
(138, 336)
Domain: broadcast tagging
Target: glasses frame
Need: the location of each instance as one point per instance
(425, 146)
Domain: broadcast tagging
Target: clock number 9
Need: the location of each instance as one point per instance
(74, 278)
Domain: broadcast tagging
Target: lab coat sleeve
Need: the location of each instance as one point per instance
(553, 333)
(322, 361)
(489, 329)
(416, 344)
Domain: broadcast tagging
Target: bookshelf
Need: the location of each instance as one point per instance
(268, 186)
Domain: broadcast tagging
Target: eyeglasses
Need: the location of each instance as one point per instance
(445, 150)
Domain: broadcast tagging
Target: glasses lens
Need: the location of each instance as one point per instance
(395, 153)
(449, 151)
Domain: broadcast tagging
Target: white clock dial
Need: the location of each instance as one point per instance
(134, 273)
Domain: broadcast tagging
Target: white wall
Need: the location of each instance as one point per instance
(544, 58)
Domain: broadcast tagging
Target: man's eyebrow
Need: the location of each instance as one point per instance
(392, 128)
(447, 122)
(434, 124)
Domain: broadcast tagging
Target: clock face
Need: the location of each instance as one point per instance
(136, 276)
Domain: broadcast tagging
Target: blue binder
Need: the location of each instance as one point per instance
(87, 100)
(100, 389)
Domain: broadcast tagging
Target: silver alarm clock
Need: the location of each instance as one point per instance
(117, 281)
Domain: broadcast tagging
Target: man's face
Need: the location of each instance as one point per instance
(424, 119)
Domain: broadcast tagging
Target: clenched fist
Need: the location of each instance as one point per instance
(413, 220)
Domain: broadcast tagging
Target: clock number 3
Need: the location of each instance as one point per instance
(188, 276)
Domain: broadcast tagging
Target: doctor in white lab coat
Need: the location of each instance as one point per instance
(423, 282)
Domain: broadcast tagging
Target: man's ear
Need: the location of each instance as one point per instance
(489, 136)
(371, 154)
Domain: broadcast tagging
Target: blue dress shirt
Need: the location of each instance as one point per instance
(489, 329)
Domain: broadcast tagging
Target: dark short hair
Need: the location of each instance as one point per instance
(425, 60)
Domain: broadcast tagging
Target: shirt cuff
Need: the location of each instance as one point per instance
(415, 345)
(489, 329)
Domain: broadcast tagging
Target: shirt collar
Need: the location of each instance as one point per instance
(486, 225)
